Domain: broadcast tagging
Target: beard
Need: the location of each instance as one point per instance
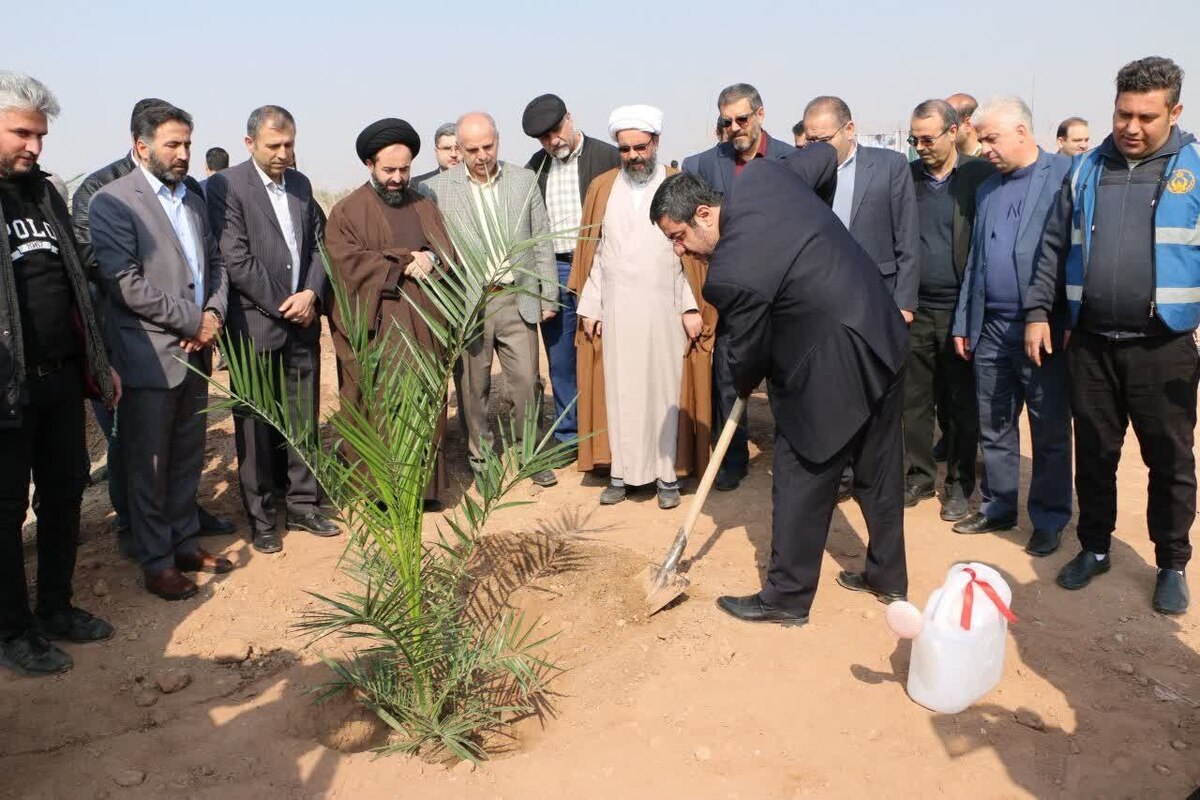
(743, 142)
(393, 197)
(164, 171)
(643, 176)
(17, 167)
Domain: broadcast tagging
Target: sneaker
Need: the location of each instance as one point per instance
(29, 653)
(668, 498)
(545, 478)
(74, 625)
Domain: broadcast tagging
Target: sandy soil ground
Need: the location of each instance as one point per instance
(1100, 698)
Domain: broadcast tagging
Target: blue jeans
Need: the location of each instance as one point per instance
(1005, 381)
(558, 335)
(117, 493)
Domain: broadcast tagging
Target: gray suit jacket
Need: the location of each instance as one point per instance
(149, 286)
(523, 212)
(883, 220)
(256, 255)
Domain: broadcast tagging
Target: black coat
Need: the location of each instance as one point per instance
(803, 305)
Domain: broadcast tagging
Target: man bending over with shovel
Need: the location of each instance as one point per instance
(802, 305)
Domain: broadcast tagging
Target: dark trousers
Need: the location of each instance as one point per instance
(162, 444)
(46, 445)
(264, 458)
(1007, 381)
(558, 335)
(938, 379)
(737, 458)
(1151, 383)
(803, 496)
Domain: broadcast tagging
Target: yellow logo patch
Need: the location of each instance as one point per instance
(1182, 181)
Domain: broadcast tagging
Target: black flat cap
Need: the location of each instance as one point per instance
(543, 114)
(383, 133)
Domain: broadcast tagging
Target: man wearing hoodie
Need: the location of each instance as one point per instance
(1120, 248)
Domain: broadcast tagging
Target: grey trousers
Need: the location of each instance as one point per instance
(162, 444)
(512, 339)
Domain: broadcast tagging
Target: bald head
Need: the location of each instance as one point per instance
(967, 141)
(479, 142)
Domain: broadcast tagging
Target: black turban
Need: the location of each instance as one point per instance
(379, 135)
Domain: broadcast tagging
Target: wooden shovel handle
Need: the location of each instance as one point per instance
(714, 464)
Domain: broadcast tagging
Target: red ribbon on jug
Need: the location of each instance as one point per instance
(969, 600)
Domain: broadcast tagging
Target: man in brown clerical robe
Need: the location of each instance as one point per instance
(641, 394)
(383, 239)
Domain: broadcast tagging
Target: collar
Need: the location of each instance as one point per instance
(574, 154)
(850, 159)
(958, 160)
(157, 186)
(760, 151)
(267, 180)
(492, 181)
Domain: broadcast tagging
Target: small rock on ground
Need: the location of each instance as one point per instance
(170, 681)
(231, 651)
(702, 753)
(1030, 719)
(129, 778)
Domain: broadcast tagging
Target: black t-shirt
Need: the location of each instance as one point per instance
(43, 291)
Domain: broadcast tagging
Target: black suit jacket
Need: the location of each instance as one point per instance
(970, 172)
(883, 219)
(256, 254)
(596, 158)
(801, 304)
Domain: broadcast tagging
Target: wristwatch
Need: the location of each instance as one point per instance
(217, 314)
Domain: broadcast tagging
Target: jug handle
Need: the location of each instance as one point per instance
(969, 600)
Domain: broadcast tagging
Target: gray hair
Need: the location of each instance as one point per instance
(23, 93)
(274, 116)
(740, 91)
(445, 129)
(939, 108)
(1013, 108)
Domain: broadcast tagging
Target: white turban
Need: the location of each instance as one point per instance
(635, 118)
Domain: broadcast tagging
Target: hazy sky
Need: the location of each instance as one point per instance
(339, 66)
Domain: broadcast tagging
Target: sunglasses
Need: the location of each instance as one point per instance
(828, 138)
(637, 148)
(924, 141)
(740, 119)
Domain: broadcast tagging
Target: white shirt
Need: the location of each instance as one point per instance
(491, 222)
(843, 195)
(277, 192)
(171, 201)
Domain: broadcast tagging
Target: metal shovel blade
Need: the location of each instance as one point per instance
(661, 587)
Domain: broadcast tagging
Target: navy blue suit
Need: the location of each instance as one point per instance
(1005, 379)
(717, 167)
(779, 279)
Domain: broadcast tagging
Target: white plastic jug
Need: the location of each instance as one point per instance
(958, 643)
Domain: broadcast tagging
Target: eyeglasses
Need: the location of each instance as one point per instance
(637, 148)
(829, 138)
(924, 141)
(446, 148)
(740, 119)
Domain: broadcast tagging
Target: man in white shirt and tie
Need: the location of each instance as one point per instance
(266, 223)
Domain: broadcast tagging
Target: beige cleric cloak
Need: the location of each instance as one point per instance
(695, 401)
(369, 246)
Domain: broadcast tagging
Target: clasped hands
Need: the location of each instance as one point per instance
(693, 326)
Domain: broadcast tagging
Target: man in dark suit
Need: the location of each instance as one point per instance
(874, 200)
(781, 267)
(565, 166)
(106, 417)
(741, 119)
(446, 151)
(938, 380)
(989, 329)
(166, 290)
(264, 217)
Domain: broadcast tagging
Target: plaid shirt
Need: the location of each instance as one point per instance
(563, 204)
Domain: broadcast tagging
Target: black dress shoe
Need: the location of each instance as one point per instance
(727, 482)
(1079, 571)
(74, 625)
(315, 523)
(752, 608)
(267, 542)
(212, 524)
(980, 523)
(30, 653)
(1170, 592)
(1043, 543)
(914, 494)
(857, 582)
(954, 504)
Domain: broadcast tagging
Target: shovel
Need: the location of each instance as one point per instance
(664, 583)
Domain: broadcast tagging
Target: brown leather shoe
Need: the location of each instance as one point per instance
(170, 584)
(202, 561)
